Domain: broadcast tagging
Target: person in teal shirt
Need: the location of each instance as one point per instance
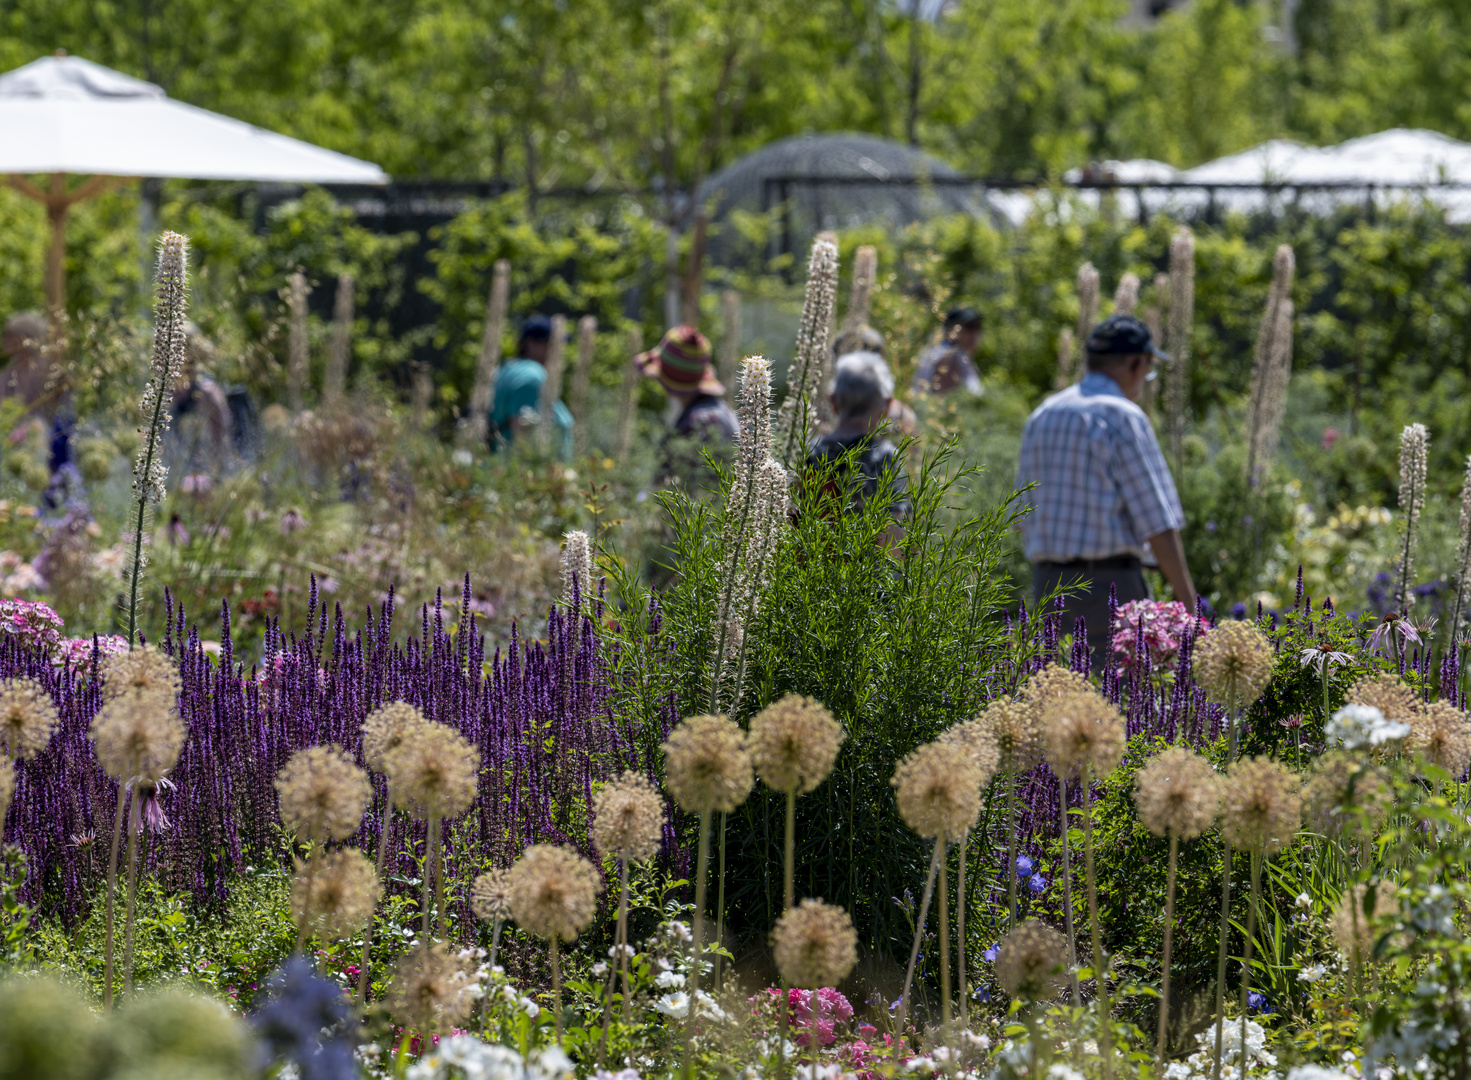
(518, 384)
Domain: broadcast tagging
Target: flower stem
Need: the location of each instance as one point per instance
(144, 493)
(1067, 891)
(945, 948)
(1221, 959)
(696, 946)
(132, 895)
(1011, 851)
(117, 836)
(430, 865)
(368, 934)
(960, 982)
(719, 901)
(556, 986)
(789, 864)
(1164, 978)
(924, 911)
(1256, 885)
(1100, 972)
(623, 941)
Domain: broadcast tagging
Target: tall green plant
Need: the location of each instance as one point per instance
(885, 638)
(171, 286)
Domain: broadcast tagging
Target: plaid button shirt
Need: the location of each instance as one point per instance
(1103, 487)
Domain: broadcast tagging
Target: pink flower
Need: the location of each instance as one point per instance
(291, 522)
(1165, 625)
(196, 484)
(1330, 436)
(35, 623)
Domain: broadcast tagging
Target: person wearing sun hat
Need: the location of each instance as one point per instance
(1104, 502)
(698, 416)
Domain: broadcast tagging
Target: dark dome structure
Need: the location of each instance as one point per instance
(809, 183)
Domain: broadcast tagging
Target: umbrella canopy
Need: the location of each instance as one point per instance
(62, 114)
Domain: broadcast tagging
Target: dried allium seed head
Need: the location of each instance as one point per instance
(385, 729)
(1261, 805)
(337, 893)
(1032, 962)
(138, 735)
(27, 718)
(976, 739)
(1082, 730)
(323, 793)
(1178, 793)
(433, 772)
(1053, 681)
(1013, 727)
(1386, 693)
(628, 818)
(431, 989)
(814, 945)
(490, 896)
(1441, 736)
(938, 790)
(707, 766)
(1233, 663)
(1346, 794)
(145, 668)
(1353, 927)
(793, 743)
(553, 892)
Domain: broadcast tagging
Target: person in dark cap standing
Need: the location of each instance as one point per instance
(518, 390)
(698, 415)
(1104, 500)
(951, 363)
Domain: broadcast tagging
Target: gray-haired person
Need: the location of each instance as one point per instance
(862, 393)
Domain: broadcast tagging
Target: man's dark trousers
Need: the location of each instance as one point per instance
(1089, 599)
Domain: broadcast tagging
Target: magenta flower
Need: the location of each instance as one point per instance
(1165, 625)
(33, 622)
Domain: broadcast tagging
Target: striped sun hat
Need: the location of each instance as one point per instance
(681, 363)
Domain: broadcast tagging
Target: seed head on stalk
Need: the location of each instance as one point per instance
(1463, 557)
(1414, 446)
(576, 565)
(1088, 289)
(811, 352)
(1271, 365)
(27, 718)
(1181, 319)
(170, 346)
(1126, 296)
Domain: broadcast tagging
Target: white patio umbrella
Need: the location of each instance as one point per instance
(64, 115)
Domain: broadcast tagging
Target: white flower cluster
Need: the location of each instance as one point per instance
(677, 1006)
(1356, 727)
(464, 1057)
(1199, 1065)
(1318, 1072)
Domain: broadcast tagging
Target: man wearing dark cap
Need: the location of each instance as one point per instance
(951, 363)
(518, 390)
(698, 416)
(1104, 500)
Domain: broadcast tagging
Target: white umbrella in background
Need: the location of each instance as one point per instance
(64, 115)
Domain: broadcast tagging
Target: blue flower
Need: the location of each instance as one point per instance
(1023, 866)
(290, 1024)
(1037, 884)
(1257, 1002)
(990, 954)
